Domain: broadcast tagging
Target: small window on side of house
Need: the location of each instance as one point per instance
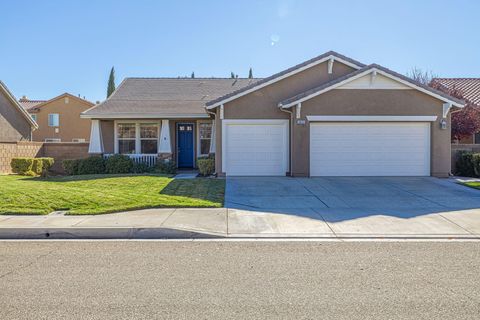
(53, 120)
(205, 137)
(34, 117)
(78, 140)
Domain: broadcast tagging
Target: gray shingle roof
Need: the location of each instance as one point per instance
(165, 96)
(371, 66)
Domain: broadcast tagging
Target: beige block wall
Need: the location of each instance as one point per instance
(9, 150)
(71, 125)
(13, 125)
(64, 151)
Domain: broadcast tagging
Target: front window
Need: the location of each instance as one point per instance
(53, 119)
(148, 138)
(205, 137)
(34, 117)
(126, 138)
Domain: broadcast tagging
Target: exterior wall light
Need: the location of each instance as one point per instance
(443, 124)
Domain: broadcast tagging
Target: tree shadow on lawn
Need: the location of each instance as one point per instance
(205, 189)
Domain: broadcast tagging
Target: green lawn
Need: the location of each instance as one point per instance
(472, 184)
(96, 194)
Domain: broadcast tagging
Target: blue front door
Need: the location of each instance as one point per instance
(185, 145)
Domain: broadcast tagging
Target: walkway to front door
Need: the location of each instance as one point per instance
(185, 145)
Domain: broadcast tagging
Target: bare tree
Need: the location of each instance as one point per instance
(424, 77)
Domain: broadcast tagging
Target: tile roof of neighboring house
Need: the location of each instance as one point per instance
(29, 104)
(320, 89)
(12, 98)
(282, 74)
(469, 87)
(164, 96)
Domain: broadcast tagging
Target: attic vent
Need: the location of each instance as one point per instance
(67, 100)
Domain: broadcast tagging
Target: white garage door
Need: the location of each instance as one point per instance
(370, 149)
(255, 147)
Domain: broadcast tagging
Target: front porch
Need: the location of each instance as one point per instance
(150, 140)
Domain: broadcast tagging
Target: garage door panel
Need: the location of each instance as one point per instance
(369, 149)
(255, 147)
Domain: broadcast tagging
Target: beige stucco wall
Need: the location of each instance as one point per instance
(71, 125)
(263, 103)
(13, 125)
(373, 102)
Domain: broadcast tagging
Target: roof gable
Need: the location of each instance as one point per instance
(330, 55)
(373, 70)
(14, 101)
(63, 95)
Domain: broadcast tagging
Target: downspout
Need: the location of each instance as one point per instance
(289, 136)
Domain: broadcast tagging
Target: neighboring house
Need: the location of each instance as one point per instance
(59, 119)
(328, 116)
(470, 90)
(15, 122)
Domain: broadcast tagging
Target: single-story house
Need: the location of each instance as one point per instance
(328, 116)
(59, 119)
(469, 88)
(15, 123)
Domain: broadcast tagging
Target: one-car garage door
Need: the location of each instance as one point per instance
(370, 149)
(255, 147)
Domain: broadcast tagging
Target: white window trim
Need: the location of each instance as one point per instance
(286, 137)
(137, 133)
(199, 154)
(34, 116)
(373, 118)
(51, 114)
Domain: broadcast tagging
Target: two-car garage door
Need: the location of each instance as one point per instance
(370, 149)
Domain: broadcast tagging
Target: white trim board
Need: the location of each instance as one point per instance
(145, 116)
(286, 75)
(372, 118)
(366, 72)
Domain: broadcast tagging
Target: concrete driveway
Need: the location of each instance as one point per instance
(352, 206)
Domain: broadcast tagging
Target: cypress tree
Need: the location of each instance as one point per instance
(232, 75)
(250, 74)
(192, 75)
(111, 82)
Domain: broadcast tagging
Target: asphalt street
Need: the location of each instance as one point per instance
(239, 280)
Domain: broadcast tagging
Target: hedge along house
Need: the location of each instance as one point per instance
(151, 118)
(328, 116)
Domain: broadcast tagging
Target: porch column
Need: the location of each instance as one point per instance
(213, 139)
(165, 145)
(96, 141)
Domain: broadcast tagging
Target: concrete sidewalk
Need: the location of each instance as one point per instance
(328, 223)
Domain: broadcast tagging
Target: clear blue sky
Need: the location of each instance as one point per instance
(50, 47)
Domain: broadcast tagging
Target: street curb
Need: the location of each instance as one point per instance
(168, 233)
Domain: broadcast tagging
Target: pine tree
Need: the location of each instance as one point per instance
(250, 74)
(193, 75)
(111, 82)
(232, 75)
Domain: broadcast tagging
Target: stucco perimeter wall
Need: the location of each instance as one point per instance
(373, 102)
(263, 103)
(9, 150)
(31, 149)
(63, 151)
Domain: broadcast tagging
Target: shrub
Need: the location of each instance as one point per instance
(91, 165)
(119, 164)
(166, 166)
(22, 166)
(141, 168)
(71, 166)
(476, 164)
(206, 165)
(37, 166)
(464, 164)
